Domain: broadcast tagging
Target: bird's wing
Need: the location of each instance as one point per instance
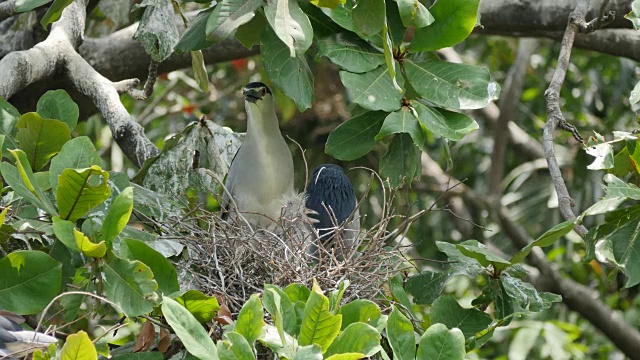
(226, 193)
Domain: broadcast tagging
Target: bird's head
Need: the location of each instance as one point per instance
(255, 92)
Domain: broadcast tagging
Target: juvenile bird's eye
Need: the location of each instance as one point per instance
(263, 91)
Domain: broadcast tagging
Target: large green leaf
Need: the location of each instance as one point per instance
(401, 335)
(360, 310)
(157, 30)
(400, 164)
(28, 5)
(368, 17)
(447, 311)
(23, 182)
(78, 347)
(291, 74)
(54, 12)
(77, 153)
(427, 286)
(452, 85)
(193, 335)
(355, 137)
(249, 34)
(373, 90)
(359, 338)
(547, 239)
(228, 15)
(163, 272)
(319, 326)
(30, 280)
(448, 124)
(271, 338)
(413, 13)
(234, 347)
(350, 52)
(438, 342)
(118, 216)
(484, 256)
(342, 15)
(618, 188)
(290, 24)
(64, 231)
(281, 308)
(201, 306)
(402, 121)
(250, 319)
(41, 138)
(57, 104)
(77, 192)
(526, 296)
(129, 284)
(8, 118)
(454, 21)
(195, 38)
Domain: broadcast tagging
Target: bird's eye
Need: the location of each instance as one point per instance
(263, 91)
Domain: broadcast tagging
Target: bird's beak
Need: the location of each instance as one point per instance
(251, 95)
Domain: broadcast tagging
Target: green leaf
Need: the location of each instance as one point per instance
(400, 163)
(618, 188)
(200, 70)
(319, 326)
(195, 38)
(291, 74)
(427, 286)
(327, 3)
(228, 15)
(401, 336)
(250, 319)
(193, 335)
(249, 34)
(118, 216)
(336, 295)
(297, 292)
(368, 17)
(234, 347)
(447, 311)
(634, 15)
(546, 239)
(402, 121)
(355, 137)
(451, 85)
(526, 296)
(89, 248)
(291, 25)
(30, 280)
(356, 338)
(360, 310)
(604, 206)
(23, 182)
(8, 118)
(129, 284)
(78, 347)
(76, 153)
(57, 104)
(201, 306)
(454, 21)
(440, 343)
(157, 29)
(163, 272)
(41, 138)
(282, 311)
(389, 58)
(64, 231)
(350, 52)
(54, 12)
(603, 154)
(28, 5)
(413, 13)
(448, 124)
(77, 194)
(484, 256)
(373, 90)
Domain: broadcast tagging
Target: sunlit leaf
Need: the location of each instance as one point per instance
(88, 247)
(78, 347)
(228, 15)
(76, 194)
(454, 21)
(41, 138)
(290, 24)
(191, 333)
(129, 284)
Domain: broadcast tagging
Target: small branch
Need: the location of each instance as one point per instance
(508, 102)
(125, 86)
(599, 22)
(556, 119)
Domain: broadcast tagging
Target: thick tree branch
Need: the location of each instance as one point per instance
(509, 100)
(7, 9)
(575, 296)
(556, 119)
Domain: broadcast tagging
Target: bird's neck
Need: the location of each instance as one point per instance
(262, 122)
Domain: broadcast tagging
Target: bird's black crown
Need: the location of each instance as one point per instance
(255, 91)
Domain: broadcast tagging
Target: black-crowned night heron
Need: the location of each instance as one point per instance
(331, 196)
(261, 174)
(15, 341)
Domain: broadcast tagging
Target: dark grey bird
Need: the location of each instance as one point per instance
(330, 194)
(15, 341)
(260, 178)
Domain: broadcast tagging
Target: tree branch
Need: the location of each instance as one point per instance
(7, 9)
(575, 296)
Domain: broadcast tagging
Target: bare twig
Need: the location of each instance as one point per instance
(146, 92)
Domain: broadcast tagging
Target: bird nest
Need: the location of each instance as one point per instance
(232, 259)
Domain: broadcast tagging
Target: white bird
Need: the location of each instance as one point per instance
(260, 178)
(15, 341)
